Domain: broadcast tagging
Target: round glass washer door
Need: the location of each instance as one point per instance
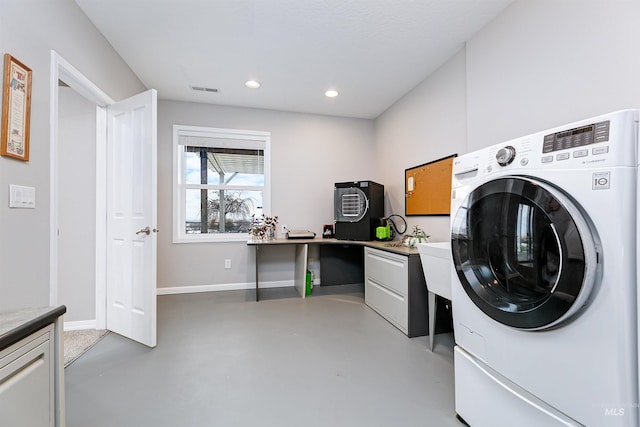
(523, 252)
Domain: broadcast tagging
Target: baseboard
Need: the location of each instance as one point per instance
(80, 325)
(222, 287)
(92, 324)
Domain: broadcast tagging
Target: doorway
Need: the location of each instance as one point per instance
(124, 194)
(78, 93)
(76, 207)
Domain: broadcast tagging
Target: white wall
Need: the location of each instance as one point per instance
(76, 205)
(539, 64)
(425, 125)
(309, 154)
(545, 63)
(500, 86)
(29, 29)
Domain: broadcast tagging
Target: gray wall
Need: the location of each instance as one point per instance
(76, 205)
(546, 63)
(29, 29)
(427, 124)
(309, 154)
(539, 64)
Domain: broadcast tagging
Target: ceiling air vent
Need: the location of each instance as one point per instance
(204, 89)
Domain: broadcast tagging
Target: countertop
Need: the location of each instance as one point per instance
(391, 246)
(18, 324)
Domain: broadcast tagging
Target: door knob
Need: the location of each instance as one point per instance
(145, 230)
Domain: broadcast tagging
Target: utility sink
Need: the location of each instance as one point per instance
(436, 264)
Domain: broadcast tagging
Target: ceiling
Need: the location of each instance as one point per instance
(371, 51)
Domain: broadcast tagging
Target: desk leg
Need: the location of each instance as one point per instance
(300, 269)
(257, 251)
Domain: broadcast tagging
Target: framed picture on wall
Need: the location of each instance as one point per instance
(16, 109)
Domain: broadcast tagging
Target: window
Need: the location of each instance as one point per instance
(221, 179)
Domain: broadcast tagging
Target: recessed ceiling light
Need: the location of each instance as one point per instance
(252, 84)
(331, 93)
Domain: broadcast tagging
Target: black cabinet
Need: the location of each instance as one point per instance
(341, 264)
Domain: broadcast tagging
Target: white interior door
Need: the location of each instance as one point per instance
(132, 217)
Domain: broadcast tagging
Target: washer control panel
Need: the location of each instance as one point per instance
(558, 146)
(576, 137)
(597, 143)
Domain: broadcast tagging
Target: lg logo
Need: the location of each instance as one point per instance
(600, 180)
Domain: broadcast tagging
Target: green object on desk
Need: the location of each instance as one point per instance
(309, 284)
(383, 233)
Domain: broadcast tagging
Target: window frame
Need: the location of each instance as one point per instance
(234, 138)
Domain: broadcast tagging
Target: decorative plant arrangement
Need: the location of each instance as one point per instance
(264, 227)
(418, 235)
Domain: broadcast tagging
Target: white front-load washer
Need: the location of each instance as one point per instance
(543, 235)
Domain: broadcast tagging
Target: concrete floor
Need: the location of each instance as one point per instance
(225, 360)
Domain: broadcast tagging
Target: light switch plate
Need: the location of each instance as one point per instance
(22, 197)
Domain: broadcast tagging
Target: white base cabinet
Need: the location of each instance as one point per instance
(395, 289)
(27, 393)
(31, 371)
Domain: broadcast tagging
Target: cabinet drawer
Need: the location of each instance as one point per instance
(26, 384)
(391, 305)
(388, 269)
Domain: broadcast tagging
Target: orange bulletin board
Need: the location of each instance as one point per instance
(428, 188)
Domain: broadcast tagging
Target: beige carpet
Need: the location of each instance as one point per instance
(77, 342)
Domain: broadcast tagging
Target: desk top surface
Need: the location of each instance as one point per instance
(392, 246)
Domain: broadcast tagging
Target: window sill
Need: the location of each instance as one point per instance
(199, 238)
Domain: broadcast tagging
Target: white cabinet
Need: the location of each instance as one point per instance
(31, 372)
(395, 288)
(27, 382)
